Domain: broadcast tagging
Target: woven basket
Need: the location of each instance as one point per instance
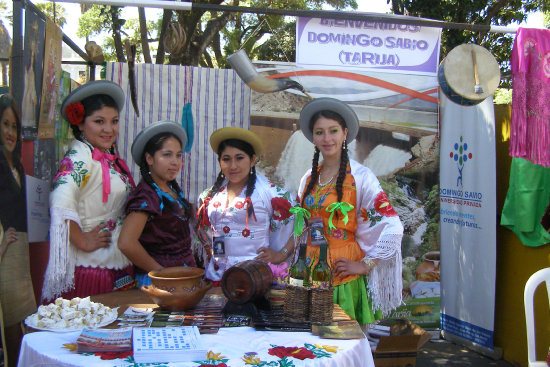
(296, 307)
(322, 306)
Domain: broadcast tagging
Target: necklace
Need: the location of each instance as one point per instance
(326, 183)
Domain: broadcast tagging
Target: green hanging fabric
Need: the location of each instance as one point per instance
(527, 198)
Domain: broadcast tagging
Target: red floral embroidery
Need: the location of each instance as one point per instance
(383, 206)
(294, 352)
(213, 365)
(226, 229)
(246, 232)
(216, 204)
(75, 113)
(281, 208)
(114, 355)
(239, 205)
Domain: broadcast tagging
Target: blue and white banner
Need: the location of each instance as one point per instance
(468, 222)
(344, 43)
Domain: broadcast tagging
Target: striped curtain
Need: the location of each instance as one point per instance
(218, 98)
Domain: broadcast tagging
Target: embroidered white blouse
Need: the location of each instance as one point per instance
(272, 227)
(77, 195)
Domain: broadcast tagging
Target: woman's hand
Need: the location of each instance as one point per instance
(98, 237)
(269, 255)
(344, 267)
(10, 236)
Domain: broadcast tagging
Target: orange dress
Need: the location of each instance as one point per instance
(369, 229)
(341, 240)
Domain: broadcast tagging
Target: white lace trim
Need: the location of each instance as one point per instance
(385, 279)
(59, 276)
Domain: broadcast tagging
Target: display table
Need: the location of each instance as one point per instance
(240, 346)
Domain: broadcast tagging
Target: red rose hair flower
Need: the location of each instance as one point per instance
(75, 113)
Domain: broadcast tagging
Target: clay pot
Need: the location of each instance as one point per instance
(176, 278)
(177, 288)
(428, 271)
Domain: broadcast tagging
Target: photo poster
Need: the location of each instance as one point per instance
(63, 133)
(44, 159)
(33, 56)
(38, 217)
(398, 140)
(50, 81)
(468, 219)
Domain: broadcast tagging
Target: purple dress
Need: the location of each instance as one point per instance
(166, 236)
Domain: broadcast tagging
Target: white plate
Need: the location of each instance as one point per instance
(112, 317)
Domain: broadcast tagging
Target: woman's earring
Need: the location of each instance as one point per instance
(222, 175)
(252, 170)
(345, 145)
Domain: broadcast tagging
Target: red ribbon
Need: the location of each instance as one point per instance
(204, 210)
(120, 166)
(248, 204)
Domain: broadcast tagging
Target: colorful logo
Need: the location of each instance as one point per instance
(460, 155)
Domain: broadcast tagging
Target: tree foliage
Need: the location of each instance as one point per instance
(55, 12)
(484, 12)
(100, 18)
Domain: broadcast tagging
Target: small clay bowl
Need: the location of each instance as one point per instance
(177, 278)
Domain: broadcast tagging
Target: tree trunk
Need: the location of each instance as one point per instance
(144, 37)
(166, 18)
(119, 49)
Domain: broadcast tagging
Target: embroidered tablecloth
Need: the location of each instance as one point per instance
(242, 346)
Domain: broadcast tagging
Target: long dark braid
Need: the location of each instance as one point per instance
(313, 176)
(213, 191)
(250, 185)
(154, 144)
(344, 159)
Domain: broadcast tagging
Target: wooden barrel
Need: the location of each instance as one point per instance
(246, 281)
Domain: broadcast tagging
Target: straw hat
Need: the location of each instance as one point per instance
(165, 126)
(92, 88)
(330, 104)
(236, 133)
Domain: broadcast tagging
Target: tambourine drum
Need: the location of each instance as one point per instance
(457, 78)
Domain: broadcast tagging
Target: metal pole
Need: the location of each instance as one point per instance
(371, 17)
(175, 5)
(17, 78)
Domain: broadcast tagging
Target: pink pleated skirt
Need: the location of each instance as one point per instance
(90, 281)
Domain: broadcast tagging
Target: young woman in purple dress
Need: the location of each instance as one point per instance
(156, 231)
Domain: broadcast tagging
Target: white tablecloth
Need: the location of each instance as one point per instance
(242, 346)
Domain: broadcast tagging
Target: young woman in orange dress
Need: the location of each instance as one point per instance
(362, 229)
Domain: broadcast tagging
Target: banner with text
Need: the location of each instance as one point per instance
(343, 43)
(468, 222)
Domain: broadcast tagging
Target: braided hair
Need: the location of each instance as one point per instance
(250, 184)
(344, 158)
(153, 145)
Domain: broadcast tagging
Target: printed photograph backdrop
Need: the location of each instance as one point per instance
(398, 140)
